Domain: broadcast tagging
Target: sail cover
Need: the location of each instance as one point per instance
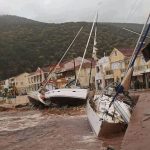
(146, 52)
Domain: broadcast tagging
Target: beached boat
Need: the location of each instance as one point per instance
(74, 95)
(105, 120)
(109, 110)
(66, 96)
(69, 95)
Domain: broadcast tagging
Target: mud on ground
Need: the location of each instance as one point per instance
(28, 128)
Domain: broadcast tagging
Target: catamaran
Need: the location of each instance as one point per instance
(109, 110)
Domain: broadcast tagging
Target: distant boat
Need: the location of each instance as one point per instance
(109, 110)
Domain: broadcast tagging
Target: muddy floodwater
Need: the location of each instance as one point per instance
(35, 130)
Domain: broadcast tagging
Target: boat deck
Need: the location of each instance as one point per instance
(137, 136)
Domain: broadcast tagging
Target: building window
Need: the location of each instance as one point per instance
(115, 65)
(97, 69)
(40, 78)
(29, 80)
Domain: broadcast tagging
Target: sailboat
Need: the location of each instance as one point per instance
(109, 111)
(70, 96)
(58, 96)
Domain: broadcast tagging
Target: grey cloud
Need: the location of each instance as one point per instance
(78, 10)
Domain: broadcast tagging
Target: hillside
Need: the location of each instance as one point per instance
(26, 44)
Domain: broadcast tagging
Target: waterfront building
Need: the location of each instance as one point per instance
(119, 59)
(69, 70)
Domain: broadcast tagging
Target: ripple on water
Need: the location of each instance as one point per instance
(15, 123)
(89, 138)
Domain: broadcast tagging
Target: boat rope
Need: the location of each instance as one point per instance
(129, 30)
(87, 44)
(140, 41)
(47, 80)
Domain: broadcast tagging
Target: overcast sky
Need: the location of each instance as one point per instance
(77, 10)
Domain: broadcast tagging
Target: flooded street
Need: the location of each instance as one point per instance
(35, 130)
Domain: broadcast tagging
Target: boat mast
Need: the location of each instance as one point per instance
(86, 49)
(125, 84)
(90, 74)
(95, 49)
(74, 64)
(94, 56)
(47, 80)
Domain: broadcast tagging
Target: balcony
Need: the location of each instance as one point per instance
(138, 70)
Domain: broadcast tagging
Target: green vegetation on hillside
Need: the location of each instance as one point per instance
(26, 44)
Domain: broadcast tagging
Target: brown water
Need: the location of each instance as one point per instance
(35, 130)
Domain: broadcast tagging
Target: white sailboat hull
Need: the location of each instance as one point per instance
(104, 125)
(66, 96)
(69, 93)
(60, 97)
(94, 120)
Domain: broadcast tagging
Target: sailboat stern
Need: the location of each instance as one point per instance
(111, 129)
